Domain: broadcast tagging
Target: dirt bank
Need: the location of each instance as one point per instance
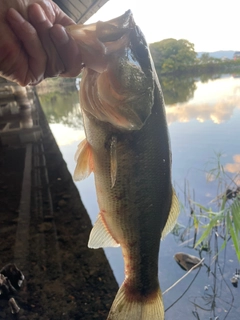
(64, 279)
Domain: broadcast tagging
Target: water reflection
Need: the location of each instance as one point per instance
(234, 167)
(62, 107)
(215, 101)
(212, 294)
(203, 115)
(209, 290)
(177, 89)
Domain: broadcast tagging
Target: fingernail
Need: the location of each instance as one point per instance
(59, 35)
(14, 16)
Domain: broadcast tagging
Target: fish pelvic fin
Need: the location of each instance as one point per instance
(100, 236)
(126, 308)
(173, 215)
(84, 160)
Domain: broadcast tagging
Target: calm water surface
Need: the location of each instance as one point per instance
(203, 119)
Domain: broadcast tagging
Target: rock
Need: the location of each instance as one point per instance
(186, 261)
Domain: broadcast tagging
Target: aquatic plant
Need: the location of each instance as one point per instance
(225, 219)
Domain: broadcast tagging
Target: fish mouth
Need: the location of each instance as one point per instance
(97, 40)
(114, 29)
(106, 31)
(117, 82)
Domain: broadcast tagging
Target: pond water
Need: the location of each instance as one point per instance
(203, 117)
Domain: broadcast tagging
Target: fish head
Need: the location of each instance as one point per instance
(118, 78)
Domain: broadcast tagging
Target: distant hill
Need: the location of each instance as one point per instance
(218, 54)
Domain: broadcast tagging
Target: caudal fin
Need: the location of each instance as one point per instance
(124, 308)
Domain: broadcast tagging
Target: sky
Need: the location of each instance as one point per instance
(211, 25)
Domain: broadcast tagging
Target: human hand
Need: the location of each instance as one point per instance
(34, 44)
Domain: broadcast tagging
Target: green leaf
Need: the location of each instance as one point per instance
(202, 207)
(195, 221)
(233, 235)
(236, 215)
(223, 202)
(213, 222)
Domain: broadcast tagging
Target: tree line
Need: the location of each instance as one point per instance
(179, 56)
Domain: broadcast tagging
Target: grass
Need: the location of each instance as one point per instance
(225, 218)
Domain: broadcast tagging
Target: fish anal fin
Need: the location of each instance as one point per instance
(173, 215)
(84, 161)
(100, 237)
(113, 160)
(126, 307)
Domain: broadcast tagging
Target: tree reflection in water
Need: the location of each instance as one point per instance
(61, 105)
(177, 89)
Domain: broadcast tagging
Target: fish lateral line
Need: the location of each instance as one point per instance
(113, 160)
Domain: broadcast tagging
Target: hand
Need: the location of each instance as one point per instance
(34, 44)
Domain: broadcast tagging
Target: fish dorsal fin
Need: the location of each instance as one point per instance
(84, 160)
(100, 237)
(113, 160)
(173, 215)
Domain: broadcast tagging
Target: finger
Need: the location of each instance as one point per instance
(68, 51)
(36, 55)
(42, 25)
(54, 14)
(61, 17)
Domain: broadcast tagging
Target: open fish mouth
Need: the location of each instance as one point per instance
(108, 31)
(101, 38)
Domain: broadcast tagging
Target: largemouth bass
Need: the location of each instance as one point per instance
(127, 147)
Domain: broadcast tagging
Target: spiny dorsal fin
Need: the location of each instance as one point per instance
(173, 215)
(84, 160)
(100, 237)
(113, 160)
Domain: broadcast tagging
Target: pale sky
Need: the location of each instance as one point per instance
(211, 25)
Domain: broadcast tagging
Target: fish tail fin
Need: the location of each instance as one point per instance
(125, 307)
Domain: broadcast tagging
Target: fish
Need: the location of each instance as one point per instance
(127, 147)
(187, 261)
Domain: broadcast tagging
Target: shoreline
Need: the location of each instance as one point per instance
(64, 279)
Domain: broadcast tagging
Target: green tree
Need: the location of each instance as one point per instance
(206, 58)
(171, 55)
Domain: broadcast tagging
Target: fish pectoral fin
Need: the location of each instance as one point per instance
(173, 215)
(100, 237)
(113, 160)
(84, 160)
